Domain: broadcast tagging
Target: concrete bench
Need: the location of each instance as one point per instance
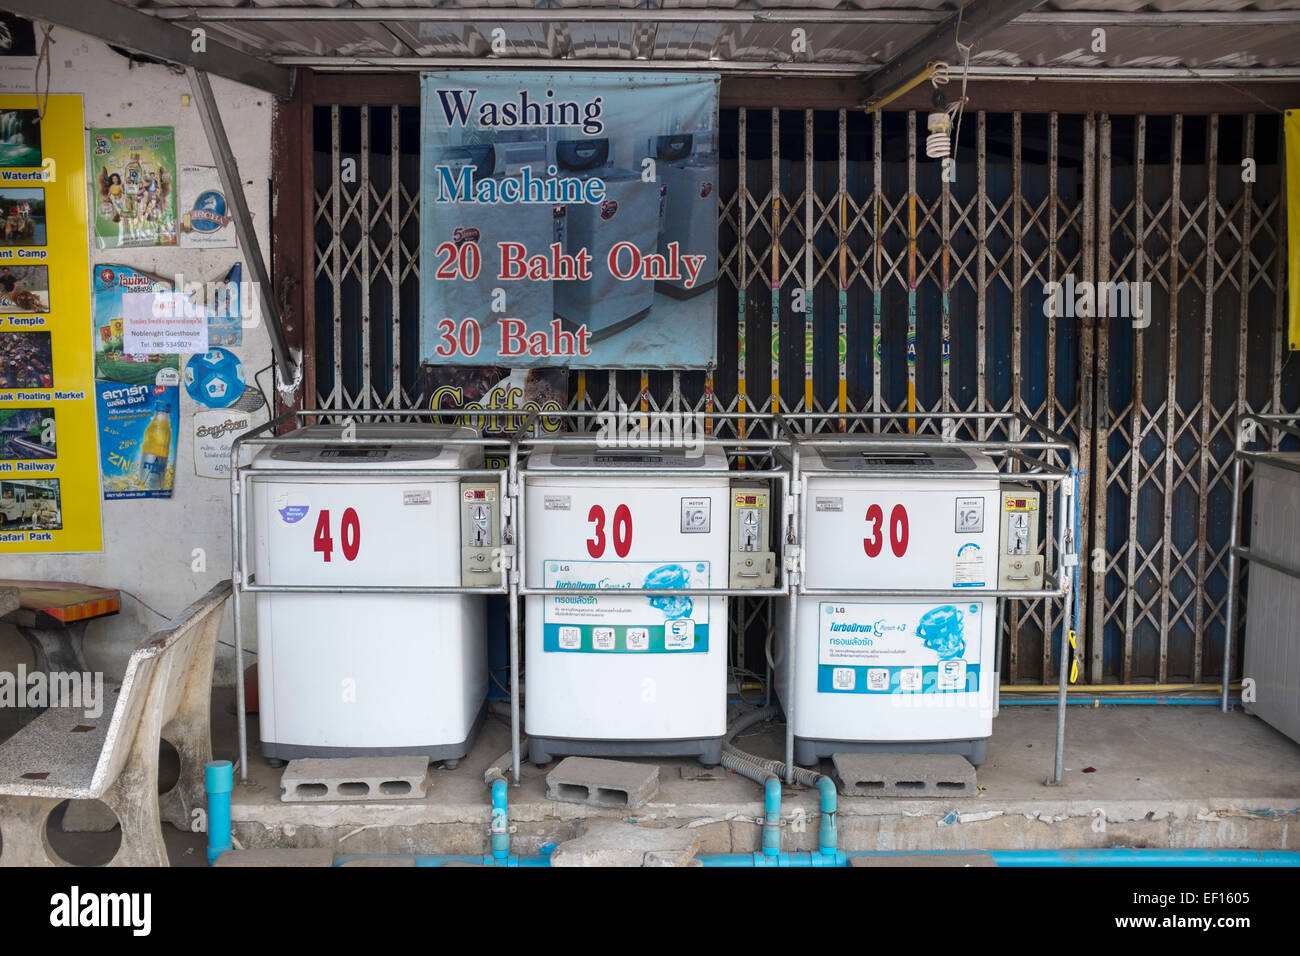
(165, 694)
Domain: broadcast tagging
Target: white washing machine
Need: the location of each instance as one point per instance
(631, 212)
(347, 674)
(688, 168)
(535, 225)
(905, 674)
(608, 675)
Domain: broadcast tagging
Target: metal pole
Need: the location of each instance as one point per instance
(1067, 622)
(792, 615)
(513, 602)
(228, 170)
(237, 586)
(1234, 540)
(997, 658)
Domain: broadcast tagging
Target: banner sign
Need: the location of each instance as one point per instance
(569, 219)
(49, 483)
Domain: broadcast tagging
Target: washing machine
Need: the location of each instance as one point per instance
(631, 212)
(535, 225)
(348, 674)
(616, 676)
(894, 674)
(688, 168)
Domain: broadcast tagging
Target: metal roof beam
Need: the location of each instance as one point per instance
(122, 26)
(975, 21)
(1099, 18)
(233, 184)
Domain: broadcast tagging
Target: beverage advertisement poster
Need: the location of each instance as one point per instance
(569, 220)
(49, 483)
(134, 183)
(138, 431)
(205, 219)
(114, 285)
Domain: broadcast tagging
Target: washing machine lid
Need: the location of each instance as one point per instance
(940, 457)
(327, 448)
(696, 456)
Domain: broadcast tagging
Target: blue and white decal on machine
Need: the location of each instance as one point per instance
(903, 648)
(582, 622)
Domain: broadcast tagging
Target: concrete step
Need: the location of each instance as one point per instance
(904, 775)
(609, 842)
(334, 779)
(603, 783)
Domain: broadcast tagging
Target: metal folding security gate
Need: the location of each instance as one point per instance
(856, 277)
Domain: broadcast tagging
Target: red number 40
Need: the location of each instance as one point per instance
(349, 532)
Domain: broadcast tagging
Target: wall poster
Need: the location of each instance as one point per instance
(49, 482)
(135, 186)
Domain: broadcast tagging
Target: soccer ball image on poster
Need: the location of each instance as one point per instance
(569, 219)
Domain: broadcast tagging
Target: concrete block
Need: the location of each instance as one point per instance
(904, 775)
(331, 780)
(317, 856)
(603, 783)
(608, 842)
(923, 860)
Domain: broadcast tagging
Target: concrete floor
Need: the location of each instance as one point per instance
(1160, 777)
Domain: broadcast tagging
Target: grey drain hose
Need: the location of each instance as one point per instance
(808, 778)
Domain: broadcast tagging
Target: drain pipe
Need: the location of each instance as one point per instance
(218, 781)
(500, 828)
(828, 853)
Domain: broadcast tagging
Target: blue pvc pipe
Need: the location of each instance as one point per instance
(772, 817)
(1114, 857)
(828, 836)
(1112, 701)
(218, 781)
(500, 822)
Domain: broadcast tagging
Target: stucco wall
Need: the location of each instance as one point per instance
(149, 544)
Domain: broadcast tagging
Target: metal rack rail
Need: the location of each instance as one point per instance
(789, 533)
(1248, 426)
(1039, 470)
(244, 578)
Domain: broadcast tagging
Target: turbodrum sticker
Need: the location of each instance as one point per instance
(898, 648)
(609, 624)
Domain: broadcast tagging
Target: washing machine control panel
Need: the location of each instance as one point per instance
(480, 534)
(753, 563)
(1020, 566)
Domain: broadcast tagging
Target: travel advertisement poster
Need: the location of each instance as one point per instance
(569, 220)
(49, 482)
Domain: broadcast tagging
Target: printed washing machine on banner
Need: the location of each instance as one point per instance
(346, 674)
(534, 225)
(895, 674)
(688, 169)
(631, 212)
(609, 675)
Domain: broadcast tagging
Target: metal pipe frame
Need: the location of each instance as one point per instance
(513, 484)
(1287, 425)
(263, 436)
(1066, 529)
